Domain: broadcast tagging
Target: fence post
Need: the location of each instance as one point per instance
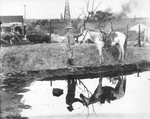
(139, 40)
(127, 33)
(51, 83)
(50, 26)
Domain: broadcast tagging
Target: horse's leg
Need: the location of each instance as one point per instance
(100, 46)
(120, 88)
(95, 96)
(123, 55)
(100, 54)
(100, 59)
(98, 90)
(120, 52)
(97, 93)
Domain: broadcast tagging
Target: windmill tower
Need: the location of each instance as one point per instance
(67, 12)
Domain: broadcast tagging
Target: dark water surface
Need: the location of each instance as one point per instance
(34, 100)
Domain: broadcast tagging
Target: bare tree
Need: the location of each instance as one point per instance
(96, 17)
(86, 14)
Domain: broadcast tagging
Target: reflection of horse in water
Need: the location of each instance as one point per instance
(106, 93)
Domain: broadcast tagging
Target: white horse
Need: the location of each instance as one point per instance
(101, 38)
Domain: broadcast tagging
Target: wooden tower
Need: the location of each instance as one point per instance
(67, 12)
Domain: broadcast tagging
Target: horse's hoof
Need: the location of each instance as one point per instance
(119, 61)
(101, 63)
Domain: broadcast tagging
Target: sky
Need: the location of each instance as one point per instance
(51, 9)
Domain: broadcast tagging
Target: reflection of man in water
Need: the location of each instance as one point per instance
(70, 98)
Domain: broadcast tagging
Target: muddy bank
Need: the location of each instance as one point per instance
(42, 57)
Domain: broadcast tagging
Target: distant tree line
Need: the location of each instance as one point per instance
(58, 26)
(45, 26)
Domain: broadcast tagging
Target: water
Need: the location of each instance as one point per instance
(34, 100)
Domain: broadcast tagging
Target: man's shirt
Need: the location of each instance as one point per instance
(69, 39)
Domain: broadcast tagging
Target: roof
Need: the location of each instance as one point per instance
(136, 27)
(10, 19)
(6, 25)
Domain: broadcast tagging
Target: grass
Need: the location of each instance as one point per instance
(53, 56)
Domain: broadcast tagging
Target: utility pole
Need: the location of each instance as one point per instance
(24, 31)
(67, 12)
(24, 13)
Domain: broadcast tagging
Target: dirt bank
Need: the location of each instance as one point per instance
(35, 57)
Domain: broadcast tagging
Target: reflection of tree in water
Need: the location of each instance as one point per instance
(10, 99)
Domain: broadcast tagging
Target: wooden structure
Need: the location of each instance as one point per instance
(13, 21)
(67, 12)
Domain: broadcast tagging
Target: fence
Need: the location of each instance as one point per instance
(134, 36)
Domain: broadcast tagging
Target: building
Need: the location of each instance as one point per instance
(15, 22)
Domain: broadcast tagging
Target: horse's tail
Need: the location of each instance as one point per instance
(125, 46)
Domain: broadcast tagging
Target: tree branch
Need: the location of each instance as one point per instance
(85, 87)
(93, 5)
(98, 6)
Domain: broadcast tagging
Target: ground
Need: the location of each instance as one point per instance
(52, 56)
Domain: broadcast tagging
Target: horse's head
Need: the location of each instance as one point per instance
(86, 36)
(84, 32)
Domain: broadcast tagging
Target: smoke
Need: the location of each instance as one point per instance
(128, 8)
(108, 10)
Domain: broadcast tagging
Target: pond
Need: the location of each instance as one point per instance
(35, 100)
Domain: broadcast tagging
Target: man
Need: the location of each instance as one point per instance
(70, 42)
